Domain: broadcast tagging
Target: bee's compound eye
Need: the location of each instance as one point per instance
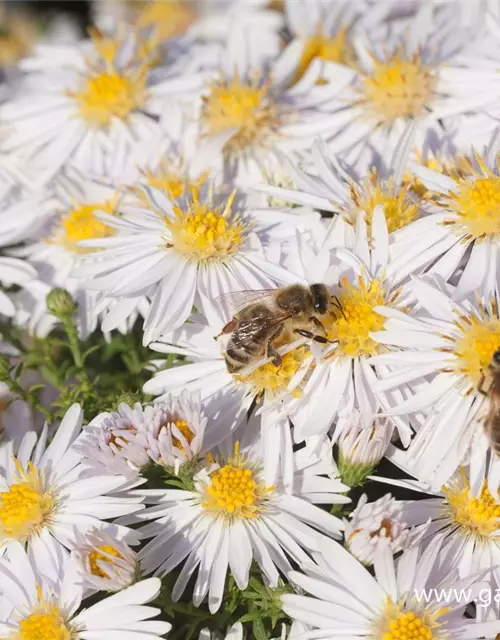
(496, 357)
(320, 297)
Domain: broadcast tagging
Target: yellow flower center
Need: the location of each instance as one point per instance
(400, 207)
(105, 553)
(235, 491)
(183, 427)
(398, 88)
(109, 95)
(401, 624)
(175, 184)
(479, 340)
(477, 206)
(247, 108)
(25, 507)
(354, 318)
(205, 232)
(272, 379)
(45, 624)
(169, 18)
(333, 49)
(408, 627)
(81, 224)
(478, 516)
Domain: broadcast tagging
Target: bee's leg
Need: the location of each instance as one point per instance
(312, 336)
(271, 352)
(339, 306)
(480, 386)
(228, 328)
(273, 355)
(318, 324)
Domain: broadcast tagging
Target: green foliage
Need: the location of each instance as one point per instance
(257, 607)
(99, 372)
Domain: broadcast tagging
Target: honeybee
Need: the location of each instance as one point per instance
(492, 423)
(263, 315)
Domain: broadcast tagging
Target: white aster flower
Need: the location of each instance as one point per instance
(183, 252)
(104, 562)
(234, 633)
(465, 511)
(232, 517)
(35, 609)
(45, 496)
(374, 526)
(396, 80)
(326, 183)
(446, 352)
(175, 430)
(362, 448)
(54, 248)
(469, 195)
(125, 441)
(251, 113)
(88, 105)
(347, 601)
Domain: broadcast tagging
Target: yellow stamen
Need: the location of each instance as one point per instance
(46, 623)
(206, 232)
(474, 348)
(272, 379)
(399, 204)
(398, 87)
(81, 224)
(476, 203)
(352, 323)
(183, 427)
(247, 108)
(25, 507)
(105, 553)
(235, 490)
(400, 624)
(478, 516)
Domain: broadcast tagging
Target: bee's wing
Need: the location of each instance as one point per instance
(248, 330)
(235, 301)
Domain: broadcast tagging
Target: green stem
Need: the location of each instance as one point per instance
(74, 343)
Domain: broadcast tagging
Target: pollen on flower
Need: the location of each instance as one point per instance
(477, 515)
(183, 427)
(476, 203)
(46, 623)
(398, 87)
(332, 49)
(235, 490)
(354, 318)
(399, 624)
(206, 232)
(111, 95)
(80, 223)
(246, 107)
(104, 553)
(478, 340)
(25, 508)
(274, 379)
(399, 204)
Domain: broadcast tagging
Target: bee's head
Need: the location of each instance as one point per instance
(320, 298)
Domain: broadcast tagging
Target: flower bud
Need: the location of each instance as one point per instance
(60, 303)
(362, 448)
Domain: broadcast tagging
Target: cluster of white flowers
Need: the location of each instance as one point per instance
(182, 163)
